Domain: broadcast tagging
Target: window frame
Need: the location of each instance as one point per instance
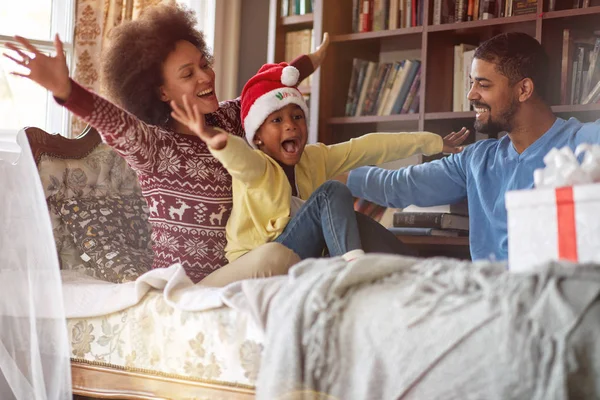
(58, 119)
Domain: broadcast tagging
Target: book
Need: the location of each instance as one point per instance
(355, 15)
(372, 66)
(412, 93)
(460, 208)
(593, 74)
(413, 68)
(566, 67)
(431, 220)
(387, 88)
(468, 57)
(352, 87)
(458, 83)
(423, 232)
(593, 96)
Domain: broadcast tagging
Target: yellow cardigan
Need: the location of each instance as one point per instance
(262, 193)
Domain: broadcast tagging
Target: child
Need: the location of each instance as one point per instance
(272, 182)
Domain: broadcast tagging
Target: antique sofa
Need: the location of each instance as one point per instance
(150, 350)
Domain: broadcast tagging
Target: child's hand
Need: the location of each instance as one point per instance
(49, 72)
(193, 119)
(319, 55)
(453, 140)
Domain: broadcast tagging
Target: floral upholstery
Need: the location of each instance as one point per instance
(113, 232)
(102, 173)
(220, 345)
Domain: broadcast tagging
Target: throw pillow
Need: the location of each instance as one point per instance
(111, 232)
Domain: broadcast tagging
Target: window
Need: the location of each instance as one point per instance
(22, 102)
(205, 12)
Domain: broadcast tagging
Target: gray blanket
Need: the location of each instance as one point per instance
(389, 327)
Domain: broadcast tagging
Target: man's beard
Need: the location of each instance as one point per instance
(501, 124)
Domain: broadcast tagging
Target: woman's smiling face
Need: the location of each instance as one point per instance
(187, 72)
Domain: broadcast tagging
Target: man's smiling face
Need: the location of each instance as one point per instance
(493, 97)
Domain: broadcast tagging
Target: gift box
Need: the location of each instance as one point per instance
(560, 218)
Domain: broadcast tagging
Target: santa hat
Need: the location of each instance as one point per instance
(272, 88)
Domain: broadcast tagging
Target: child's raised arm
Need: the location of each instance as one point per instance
(233, 152)
(378, 148)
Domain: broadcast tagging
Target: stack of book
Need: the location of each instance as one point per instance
(447, 220)
(383, 88)
(382, 15)
(296, 7)
(580, 70)
(298, 43)
(451, 11)
(463, 57)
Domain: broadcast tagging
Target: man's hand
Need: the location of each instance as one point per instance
(319, 55)
(193, 119)
(453, 141)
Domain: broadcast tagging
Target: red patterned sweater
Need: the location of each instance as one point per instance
(188, 191)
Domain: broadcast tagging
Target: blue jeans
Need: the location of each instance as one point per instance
(327, 219)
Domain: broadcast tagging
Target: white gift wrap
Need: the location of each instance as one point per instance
(544, 225)
(560, 219)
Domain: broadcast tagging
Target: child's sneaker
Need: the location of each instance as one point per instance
(352, 255)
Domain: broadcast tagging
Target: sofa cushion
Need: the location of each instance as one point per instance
(112, 235)
(99, 174)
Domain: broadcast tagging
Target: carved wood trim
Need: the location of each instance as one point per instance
(113, 383)
(42, 142)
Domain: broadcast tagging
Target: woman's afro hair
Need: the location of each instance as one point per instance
(132, 62)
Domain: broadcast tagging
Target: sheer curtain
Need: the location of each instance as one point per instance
(34, 348)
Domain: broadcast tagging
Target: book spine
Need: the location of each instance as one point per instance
(285, 9)
(566, 65)
(412, 93)
(356, 15)
(419, 220)
(352, 86)
(437, 12)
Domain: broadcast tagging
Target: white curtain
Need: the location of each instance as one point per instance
(34, 349)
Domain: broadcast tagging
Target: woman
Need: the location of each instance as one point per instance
(149, 62)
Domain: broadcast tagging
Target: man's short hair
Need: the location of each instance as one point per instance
(517, 56)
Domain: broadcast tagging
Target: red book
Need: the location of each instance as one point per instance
(366, 16)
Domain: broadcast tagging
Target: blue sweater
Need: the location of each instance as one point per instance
(482, 173)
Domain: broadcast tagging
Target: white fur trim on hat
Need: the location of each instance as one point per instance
(290, 76)
(270, 102)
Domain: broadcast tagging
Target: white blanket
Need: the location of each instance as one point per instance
(389, 327)
(87, 297)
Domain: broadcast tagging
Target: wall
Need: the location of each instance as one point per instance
(254, 32)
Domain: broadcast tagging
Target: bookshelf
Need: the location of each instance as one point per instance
(433, 46)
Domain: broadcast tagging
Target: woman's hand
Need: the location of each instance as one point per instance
(453, 141)
(319, 55)
(49, 72)
(193, 119)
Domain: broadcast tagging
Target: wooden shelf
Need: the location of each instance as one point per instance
(351, 37)
(373, 119)
(571, 13)
(297, 21)
(449, 115)
(435, 240)
(576, 108)
(481, 23)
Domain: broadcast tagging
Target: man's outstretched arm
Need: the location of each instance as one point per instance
(435, 183)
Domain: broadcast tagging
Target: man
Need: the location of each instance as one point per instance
(508, 77)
